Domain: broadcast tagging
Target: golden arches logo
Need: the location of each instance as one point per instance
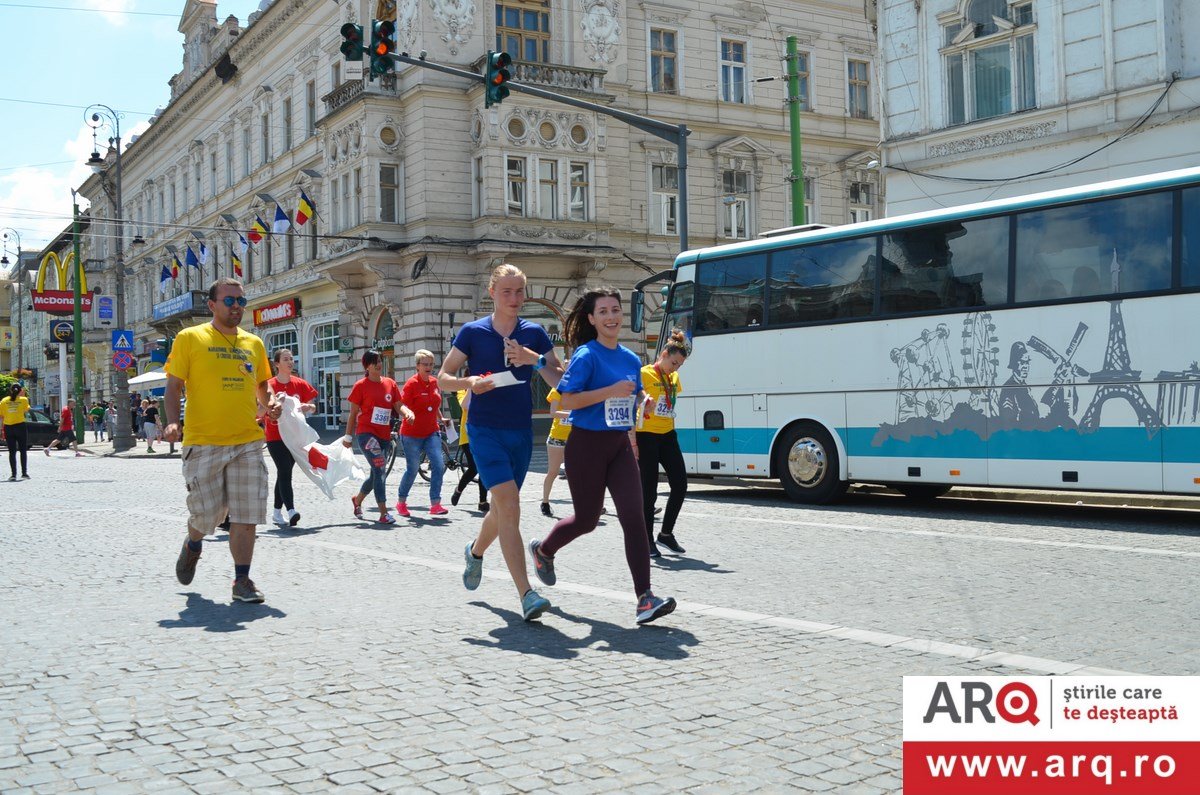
(62, 269)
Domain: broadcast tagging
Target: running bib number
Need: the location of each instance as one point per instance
(381, 416)
(661, 409)
(618, 412)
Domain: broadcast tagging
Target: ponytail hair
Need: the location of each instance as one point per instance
(14, 389)
(677, 343)
(578, 329)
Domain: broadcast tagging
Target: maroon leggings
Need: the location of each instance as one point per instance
(596, 460)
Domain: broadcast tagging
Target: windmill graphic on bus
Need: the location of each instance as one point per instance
(926, 376)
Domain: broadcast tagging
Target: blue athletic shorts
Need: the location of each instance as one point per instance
(501, 454)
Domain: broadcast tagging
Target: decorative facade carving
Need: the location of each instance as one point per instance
(601, 28)
(457, 17)
(407, 13)
(989, 140)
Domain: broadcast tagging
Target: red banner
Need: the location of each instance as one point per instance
(59, 302)
(277, 313)
(1052, 768)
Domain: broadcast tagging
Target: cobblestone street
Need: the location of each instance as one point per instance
(370, 668)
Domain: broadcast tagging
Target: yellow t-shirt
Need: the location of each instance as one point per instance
(222, 373)
(462, 421)
(661, 416)
(14, 411)
(559, 429)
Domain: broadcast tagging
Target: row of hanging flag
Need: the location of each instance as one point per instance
(258, 230)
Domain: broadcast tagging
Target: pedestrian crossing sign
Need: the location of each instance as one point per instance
(122, 340)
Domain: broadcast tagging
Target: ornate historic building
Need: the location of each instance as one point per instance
(420, 190)
(994, 98)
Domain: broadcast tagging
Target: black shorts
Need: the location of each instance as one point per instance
(66, 437)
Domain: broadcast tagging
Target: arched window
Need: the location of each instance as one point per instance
(990, 61)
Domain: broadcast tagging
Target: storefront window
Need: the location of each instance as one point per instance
(285, 338)
(325, 369)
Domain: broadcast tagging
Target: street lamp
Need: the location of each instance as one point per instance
(20, 283)
(98, 116)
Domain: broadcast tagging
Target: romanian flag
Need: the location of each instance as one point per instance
(175, 266)
(305, 211)
(163, 279)
(281, 223)
(237, 263)
(257, 230)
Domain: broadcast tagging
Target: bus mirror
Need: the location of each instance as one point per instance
(636, 311)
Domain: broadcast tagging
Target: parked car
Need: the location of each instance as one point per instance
(42, 430)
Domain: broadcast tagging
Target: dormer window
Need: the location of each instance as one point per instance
(990, 64)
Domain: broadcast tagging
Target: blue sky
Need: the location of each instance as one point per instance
(128, 51)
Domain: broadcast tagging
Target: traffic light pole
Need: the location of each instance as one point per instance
(675, 133)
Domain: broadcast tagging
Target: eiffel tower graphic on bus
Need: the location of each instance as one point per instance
(1117, 378)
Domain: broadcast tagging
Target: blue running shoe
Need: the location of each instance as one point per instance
(533, 605)
(651, 607)
(543, 565)
(473, 573)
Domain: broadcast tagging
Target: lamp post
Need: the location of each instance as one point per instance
(19, 284)
(98, 116)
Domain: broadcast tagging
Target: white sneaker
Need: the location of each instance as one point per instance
(293, 517)
(277, 517)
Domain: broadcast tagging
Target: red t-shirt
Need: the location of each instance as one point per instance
(425, 401)
(68, 420)
(376, 401)
(297, 388)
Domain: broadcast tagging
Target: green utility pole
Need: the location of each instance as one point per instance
(797, 175)
(78, 279)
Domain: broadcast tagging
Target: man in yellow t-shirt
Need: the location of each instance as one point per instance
(225, 371)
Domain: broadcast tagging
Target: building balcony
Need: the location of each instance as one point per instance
(353, 90)
(556, 77)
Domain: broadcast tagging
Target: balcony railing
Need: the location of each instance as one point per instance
(352, 90)
(556, 77)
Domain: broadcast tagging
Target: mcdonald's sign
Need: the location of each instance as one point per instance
(60, 301)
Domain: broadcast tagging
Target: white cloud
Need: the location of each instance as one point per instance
(112, 10)
(37, 201)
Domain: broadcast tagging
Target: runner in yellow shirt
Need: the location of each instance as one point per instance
(658, 443)
(556, 446)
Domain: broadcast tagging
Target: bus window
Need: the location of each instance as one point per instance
(1099, 248)
(946, 267)
(1191, 237)
(729, 293)
(824, 281)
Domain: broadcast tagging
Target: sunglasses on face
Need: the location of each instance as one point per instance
(229, 301)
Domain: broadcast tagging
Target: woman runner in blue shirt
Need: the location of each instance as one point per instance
(601, 389)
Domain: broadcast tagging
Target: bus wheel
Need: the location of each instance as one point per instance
(921, 491)
(807, 464)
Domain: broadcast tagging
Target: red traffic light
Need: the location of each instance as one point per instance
(384, 31)
(499, 64)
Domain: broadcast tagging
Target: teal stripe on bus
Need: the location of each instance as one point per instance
(1135, 444)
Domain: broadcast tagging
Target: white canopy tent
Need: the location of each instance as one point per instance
(150, 380)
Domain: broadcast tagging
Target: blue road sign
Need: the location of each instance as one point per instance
(105, 307)
(122, 340)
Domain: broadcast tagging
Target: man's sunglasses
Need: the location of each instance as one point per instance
(229, 301)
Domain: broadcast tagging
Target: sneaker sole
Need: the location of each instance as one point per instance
(295, 520)
(666, 608)
(180, 575)
(250, 599)
(537, 612)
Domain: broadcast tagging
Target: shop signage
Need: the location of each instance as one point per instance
(60, 301)
(346, 345)
(181, 303)
(62, 331)
(277, 313)
(105, 309)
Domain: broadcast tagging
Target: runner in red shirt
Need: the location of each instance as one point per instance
(421, 407)
(286, 383)
(66, 431)
(373, 401)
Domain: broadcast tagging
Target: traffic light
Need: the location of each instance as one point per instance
(352, 47)
(496, 74)
(383, 43)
